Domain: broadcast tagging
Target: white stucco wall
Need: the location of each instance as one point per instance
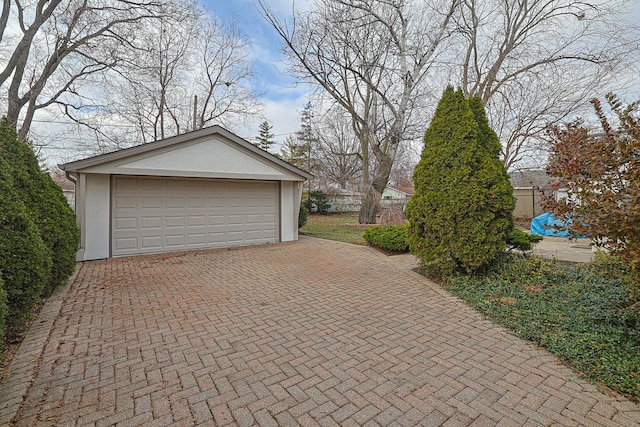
(93, 195)
(288, 221)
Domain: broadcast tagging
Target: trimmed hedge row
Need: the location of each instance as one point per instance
(388, 237)
(38, 234)
(395, 238)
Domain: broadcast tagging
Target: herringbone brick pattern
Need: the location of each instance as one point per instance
(306, 333)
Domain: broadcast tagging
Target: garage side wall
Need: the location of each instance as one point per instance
(288, 211)
(92, 211)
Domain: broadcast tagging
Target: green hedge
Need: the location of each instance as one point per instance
(46, 205)
(388, 237)
(25, 261)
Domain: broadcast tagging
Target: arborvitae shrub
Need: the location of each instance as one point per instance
(25, 261)
(460, 214)
(45, 203)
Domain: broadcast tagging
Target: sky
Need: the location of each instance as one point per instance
(282, 98)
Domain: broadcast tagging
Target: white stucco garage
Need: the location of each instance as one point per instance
(204, 189)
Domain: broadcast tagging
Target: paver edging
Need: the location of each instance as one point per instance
(26, 361)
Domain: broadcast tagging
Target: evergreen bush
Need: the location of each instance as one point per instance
(45, 203)
(388, 237)
(461, 213)
(303, 215)
(25, 261)
(519, 240)
(318, 201)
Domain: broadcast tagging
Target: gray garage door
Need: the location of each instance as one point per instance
(171, 214)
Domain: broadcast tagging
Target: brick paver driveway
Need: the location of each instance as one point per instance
(311, 332)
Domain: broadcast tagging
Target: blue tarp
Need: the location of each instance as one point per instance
(542, 224)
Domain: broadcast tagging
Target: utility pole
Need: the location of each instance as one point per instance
(195, 110)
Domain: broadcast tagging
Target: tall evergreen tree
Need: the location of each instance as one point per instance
(265, 136)
(306, 137)
(460, 215)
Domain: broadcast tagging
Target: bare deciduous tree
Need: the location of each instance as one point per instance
(372, 58)
(336, 152)
(53, 46)
(191, 71)
(534, 62)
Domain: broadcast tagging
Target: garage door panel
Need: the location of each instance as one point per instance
(214, 220)
(173, 202)
(175, 241)
(235, 219)
(126, 223)
(216, 237)
(127, 183)
(151, 242)
(166, 214)
(126, 243)
(153, 222)
(196, 202)
(174, 221)
(152, 202)
(197, 239)
(174, 184)
(196, 221)
(235, 237)
(125, 202)
(235, 202)
(217, 202)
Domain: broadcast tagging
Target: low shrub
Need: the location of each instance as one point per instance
(388, 237)
(303, 215)
(518, 239)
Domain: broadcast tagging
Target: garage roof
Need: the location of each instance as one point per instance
(212, 152)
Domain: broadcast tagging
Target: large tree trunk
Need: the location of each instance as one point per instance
(374, 189)
(369, 207)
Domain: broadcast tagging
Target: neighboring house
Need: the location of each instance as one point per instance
(204, 189)
(67, 186)
(529, 186)
(396, 196)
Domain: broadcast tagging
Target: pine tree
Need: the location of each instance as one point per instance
(460, 214)
(265, 136)
(306, 137)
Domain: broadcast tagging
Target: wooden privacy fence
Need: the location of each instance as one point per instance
(528, 202)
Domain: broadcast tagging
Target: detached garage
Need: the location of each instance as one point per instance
(205, 189)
